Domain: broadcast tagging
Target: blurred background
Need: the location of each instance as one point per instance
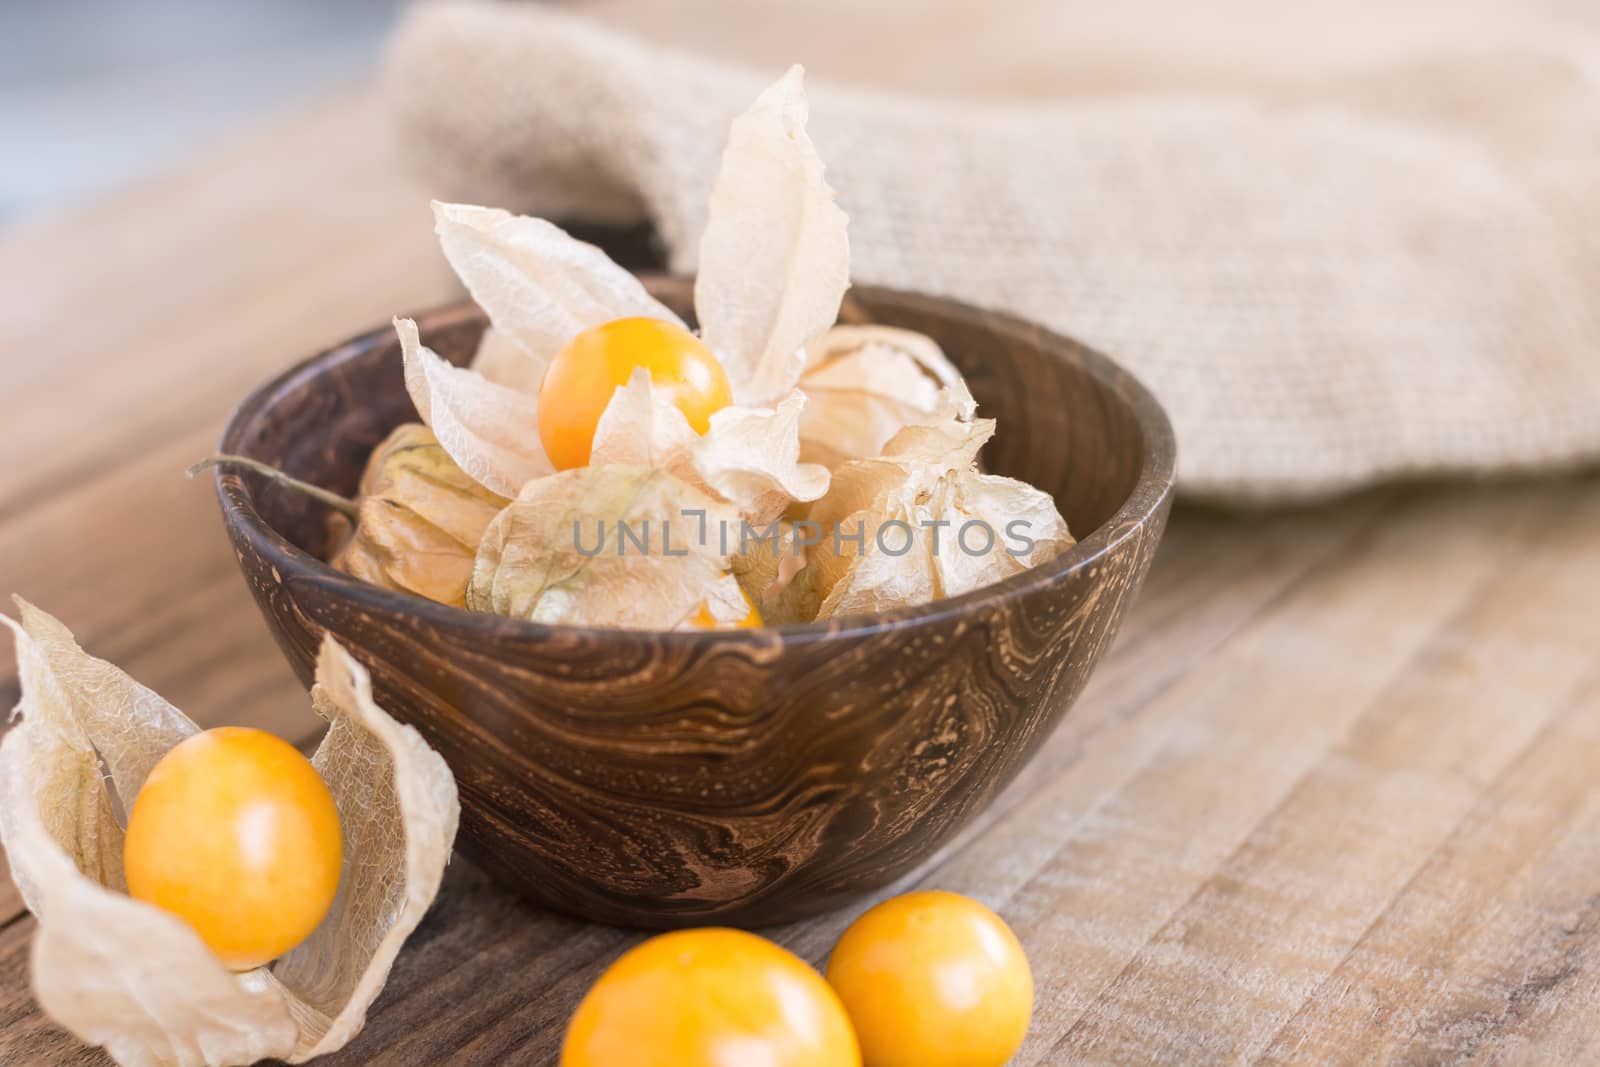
(1351, 244)
(1370, 220)
(105, 91)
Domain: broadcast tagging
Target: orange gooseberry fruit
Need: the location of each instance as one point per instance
(709, 998)
(704, 620)
(933, 979)
(235, 833)
(585, 374)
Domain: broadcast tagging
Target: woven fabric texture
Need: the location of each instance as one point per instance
(1381, 264)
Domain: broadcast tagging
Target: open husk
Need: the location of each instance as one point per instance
(775, 265)
(775, 255)
(767, 566)
(491, 431)
(864, 384)
(833, 429)
(122, 974)
(539, 285)
(921, 523)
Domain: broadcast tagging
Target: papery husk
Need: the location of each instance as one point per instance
(767, 567)
(547, 557)
(421, 518)
(748, 457)
(489, 430)
(750, 453)
(122, 974)
(927, 475)
(502, 361)
(864, 384)
(775, 256)
(539, 285)
(641, 428)
(774, 267)
(540, 288)
(751, 458)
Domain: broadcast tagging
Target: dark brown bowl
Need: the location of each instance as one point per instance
(748, 777)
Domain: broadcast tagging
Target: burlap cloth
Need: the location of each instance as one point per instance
(1339, 249)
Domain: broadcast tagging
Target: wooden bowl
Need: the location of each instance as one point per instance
(748, 777)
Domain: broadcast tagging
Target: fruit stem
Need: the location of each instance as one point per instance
(342, 504)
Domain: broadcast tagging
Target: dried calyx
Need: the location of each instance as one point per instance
(420, 519)
(120, 973)
(417, 518)
(835, 433)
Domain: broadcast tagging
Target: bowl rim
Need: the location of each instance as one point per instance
(1151, 492)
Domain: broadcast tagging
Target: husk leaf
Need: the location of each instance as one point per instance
(420, 519)
(748, 457)
(640, 428)
(539, 286)
(138, 981)
(398, 809)
(775, 257)
(926, 481)
(766, 569)
(502, 361)
(491, 431)
(557, 554)
(864, 384)
(751, 458)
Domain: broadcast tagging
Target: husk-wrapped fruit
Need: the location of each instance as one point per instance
(141, 981)
(420, 519)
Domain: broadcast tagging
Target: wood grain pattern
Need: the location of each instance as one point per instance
(1333, 851)
(672, 779)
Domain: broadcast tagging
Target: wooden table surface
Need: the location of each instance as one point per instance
(1333, 798)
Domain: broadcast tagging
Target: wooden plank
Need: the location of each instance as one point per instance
(145, 318)
(1095, 866)
(1257, 934)
(1385, 781)
(516, 975)
(1489, 953)
(1331, 798)
(26, 1036)
(1205, 585)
